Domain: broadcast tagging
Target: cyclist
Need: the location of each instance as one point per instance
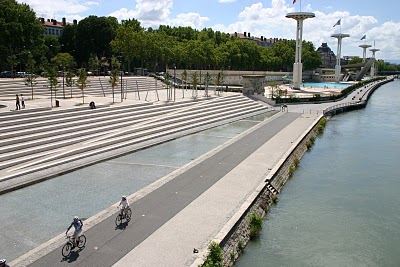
(123, 205)
(77, 224)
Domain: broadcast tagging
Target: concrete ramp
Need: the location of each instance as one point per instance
(365, 69)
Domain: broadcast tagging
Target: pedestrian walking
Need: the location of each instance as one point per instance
(22, 101)
(17, 105)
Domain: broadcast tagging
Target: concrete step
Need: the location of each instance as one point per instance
(94, 149)
(127, 132)
(88, 117)
(104, 128)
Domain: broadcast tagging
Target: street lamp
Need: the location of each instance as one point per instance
(174, 80)
(121, 72)
(63, 70)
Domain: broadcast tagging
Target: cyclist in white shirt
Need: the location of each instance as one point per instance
(123, 204)
(77, 224)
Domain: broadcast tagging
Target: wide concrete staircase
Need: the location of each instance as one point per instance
(37, 140)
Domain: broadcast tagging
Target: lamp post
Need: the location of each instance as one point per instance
(174, 80)
(63, 70)
(121, 72)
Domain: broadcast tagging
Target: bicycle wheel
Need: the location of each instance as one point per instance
(128, 217)
(129, 211)
(66, 250)
(118, 220)
(81, 241)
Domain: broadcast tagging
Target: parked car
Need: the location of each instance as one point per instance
(20, 74)
(6, 74)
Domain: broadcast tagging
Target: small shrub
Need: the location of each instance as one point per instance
(291, 170)
(309, 144)
(321, 125)
(240, 245)
(296, 162)
(312, 139)
(232, 255)
(214, 257)
(255, 225)
(274, 199)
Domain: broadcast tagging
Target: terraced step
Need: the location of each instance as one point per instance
(90, 149)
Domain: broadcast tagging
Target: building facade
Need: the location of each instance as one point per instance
(261, 41)
(328, 58)
(54, 27)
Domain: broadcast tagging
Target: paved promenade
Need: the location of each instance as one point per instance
(190, 207)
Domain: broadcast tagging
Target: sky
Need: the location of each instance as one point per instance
(378, 20)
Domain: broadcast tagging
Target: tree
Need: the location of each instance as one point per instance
(105, 64)
(68, 39)
(207, 81)
(129, 42)
(82, 82)
(184, 78)
(274, 87)
(30, 80)
(219, 81)
(310, 56)
(114, 74)
(64, 60)
(94, 35)
(19, 30)
(69, 81)
(53, 83)
(133, 23)
(195, 82)
(94, 63)
(52, 46)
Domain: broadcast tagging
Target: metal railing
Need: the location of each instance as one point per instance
(344, 106)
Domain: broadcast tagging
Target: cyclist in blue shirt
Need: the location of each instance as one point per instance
(77, 224)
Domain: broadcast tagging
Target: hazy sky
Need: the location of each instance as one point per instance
(378, 20)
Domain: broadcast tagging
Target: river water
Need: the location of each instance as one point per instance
(342, 205)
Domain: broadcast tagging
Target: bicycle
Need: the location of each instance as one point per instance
(124, 214)
(69, 246)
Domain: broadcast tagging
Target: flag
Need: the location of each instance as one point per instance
(365, 36)
(337, 23)
(294, 1)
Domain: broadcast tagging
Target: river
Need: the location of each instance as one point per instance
(342, 205)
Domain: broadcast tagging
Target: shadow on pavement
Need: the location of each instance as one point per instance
(73, 256)
(121, 226)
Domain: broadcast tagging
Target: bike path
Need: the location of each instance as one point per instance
(107, 244)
